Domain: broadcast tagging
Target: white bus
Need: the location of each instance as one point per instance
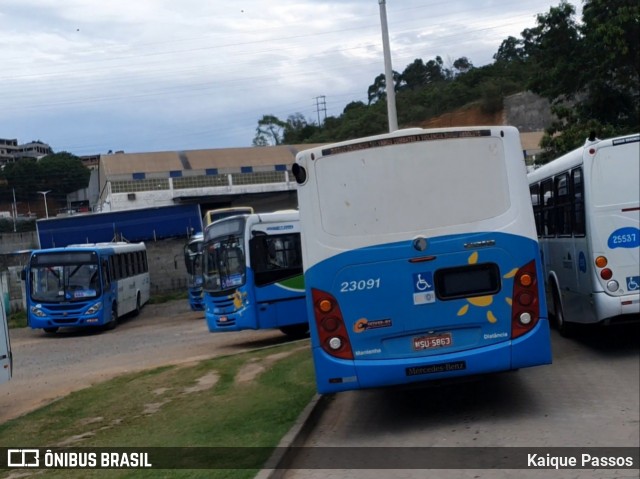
(420, 257)
(6, 359)
(587, 209)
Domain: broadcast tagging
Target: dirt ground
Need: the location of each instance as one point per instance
(48, 367)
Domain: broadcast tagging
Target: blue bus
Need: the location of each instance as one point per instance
(421, 258)
(193, 263)
(86, 285)
(252, 269)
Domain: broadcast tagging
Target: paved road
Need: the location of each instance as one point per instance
(47, 367)
(589, 397)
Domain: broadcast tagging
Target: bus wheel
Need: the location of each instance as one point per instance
(114, 320)
(296, 331)
(565, 329)
(136, 311)
(50, 330)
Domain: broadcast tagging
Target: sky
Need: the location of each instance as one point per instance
(89, 76)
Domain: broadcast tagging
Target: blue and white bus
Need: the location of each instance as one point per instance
(193, 264)
(421, 258)
(587, 209)
(85, 285)
(217, 214)
(253, 274)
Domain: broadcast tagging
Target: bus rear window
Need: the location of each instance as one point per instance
(615, 176)
(448, 183)
(467, 281)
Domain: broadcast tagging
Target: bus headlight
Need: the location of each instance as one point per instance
(95, 308)
(37, 312)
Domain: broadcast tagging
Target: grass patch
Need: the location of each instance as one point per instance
(166, 297)
(216, 403)
(17, 319)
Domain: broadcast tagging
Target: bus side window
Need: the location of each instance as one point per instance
(534, 191)
(548, 211)
(577, 204)
(562, 205)
(106, 276)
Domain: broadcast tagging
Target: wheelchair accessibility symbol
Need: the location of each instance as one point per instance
(423, 290)
(633, 283)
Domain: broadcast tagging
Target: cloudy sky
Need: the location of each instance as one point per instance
(89, 76)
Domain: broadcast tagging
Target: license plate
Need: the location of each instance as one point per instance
(433, 341)
(223, 319)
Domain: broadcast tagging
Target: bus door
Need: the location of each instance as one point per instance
(566, 253)
(276, 266)
(6, 359)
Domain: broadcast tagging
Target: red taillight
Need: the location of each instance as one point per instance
(525, 309)
(332, 332)
(606, 274)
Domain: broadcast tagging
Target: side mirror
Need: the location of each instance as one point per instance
(23, 274)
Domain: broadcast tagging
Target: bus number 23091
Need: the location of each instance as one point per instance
(361, 285)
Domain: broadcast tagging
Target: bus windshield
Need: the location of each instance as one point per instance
(52, 282)
(224, 255)
(193, 259)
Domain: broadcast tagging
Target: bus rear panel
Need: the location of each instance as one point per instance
(421, 260)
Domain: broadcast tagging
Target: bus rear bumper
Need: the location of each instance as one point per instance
(335, 375)
(608, 307)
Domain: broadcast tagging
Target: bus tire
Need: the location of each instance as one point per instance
(565, 329)
(136, 312)
(51, 330)
(114, 319)
(296, 331)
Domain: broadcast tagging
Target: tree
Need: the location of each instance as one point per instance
(63, 173)
(414, 76)
(589, 73)
(23, 177)
(298, 129)
(462, 65)
(378, 90)
(510, 51)
(555, 54)
(270, 131)
(611, 31)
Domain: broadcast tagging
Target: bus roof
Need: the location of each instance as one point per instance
(576, 157)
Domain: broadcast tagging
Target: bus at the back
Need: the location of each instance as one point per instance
(252, 268)
(193, 264)
(421, 259)
(587, 208)
(219, 213)
(87, 285)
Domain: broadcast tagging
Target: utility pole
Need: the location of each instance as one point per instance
(46, 208)
(321, 105)
(388, 71)
(15, 210)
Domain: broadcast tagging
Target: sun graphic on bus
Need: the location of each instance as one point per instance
(484, 301)
(238, 298)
